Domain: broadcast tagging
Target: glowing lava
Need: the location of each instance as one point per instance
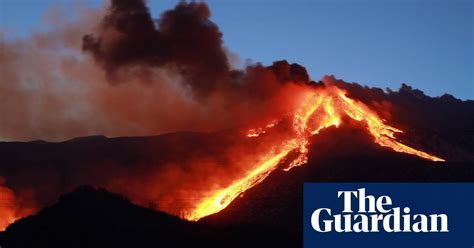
(319, 109)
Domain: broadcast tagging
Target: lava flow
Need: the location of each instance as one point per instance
(319, 109)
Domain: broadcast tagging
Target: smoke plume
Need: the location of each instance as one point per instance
(117, 71)
(183, 38)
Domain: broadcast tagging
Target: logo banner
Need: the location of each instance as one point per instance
(388, 215)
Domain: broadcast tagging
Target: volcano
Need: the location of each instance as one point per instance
(269, 205)
(175, 147)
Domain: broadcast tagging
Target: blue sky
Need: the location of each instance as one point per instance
(428, 44)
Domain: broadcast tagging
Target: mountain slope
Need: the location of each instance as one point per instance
(270, 214)
(90, 217)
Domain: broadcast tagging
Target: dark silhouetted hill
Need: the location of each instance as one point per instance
(90, 217)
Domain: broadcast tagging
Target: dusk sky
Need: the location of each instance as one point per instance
(424, 43)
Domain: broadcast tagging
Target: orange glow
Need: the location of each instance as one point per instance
(6, 219)
(7, 207)
(10, 210)
(258, 131)
(319, 109)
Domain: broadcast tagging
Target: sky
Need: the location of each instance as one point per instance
(428, 44)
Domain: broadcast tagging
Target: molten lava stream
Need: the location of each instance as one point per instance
(320, 109)
(222, 198)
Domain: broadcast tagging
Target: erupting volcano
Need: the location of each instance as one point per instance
(319, 109)
(157, 111)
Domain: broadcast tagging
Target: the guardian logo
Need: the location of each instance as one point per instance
(374, 215)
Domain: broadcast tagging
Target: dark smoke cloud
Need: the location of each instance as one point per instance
(117, 72)
(184, 38)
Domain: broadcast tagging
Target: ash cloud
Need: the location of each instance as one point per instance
(184, 38)
(118, 72)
